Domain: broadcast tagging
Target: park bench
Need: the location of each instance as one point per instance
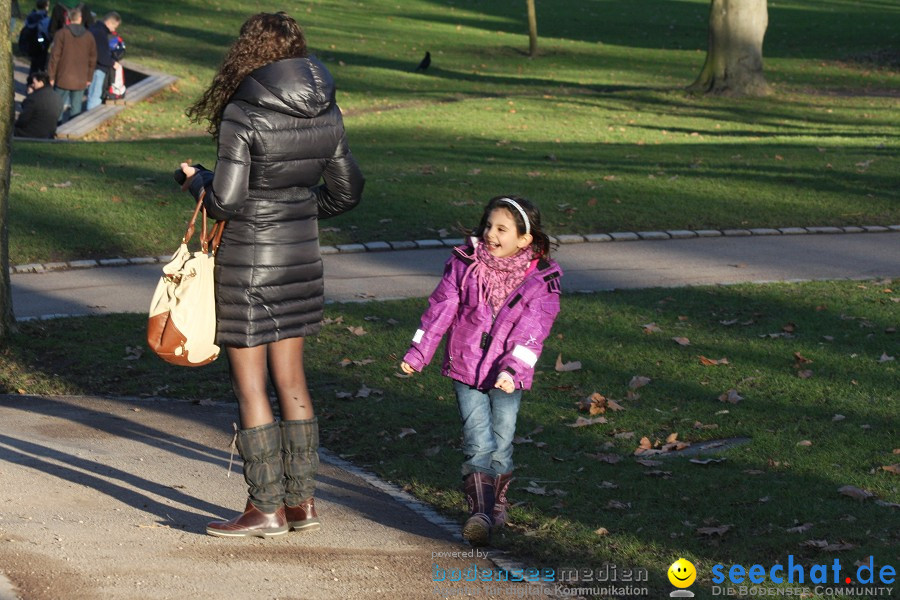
(141, 82)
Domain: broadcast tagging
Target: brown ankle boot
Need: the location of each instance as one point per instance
(252, 523)
(501, 503)
(479, 490)
(302, 517)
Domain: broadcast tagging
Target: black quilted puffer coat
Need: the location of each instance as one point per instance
(283, 164)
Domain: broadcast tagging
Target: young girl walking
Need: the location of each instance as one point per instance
(498, 298)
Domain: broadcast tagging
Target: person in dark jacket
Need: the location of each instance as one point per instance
(105, 61)
(498, 299)
(40, 110)
(283, 164)
(73, 57)
(36, 26)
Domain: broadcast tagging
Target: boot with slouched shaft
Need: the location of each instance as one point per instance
(501, 503)
(299, 447)
(264, 515)
(479, 490)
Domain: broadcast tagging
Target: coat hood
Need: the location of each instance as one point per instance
(301, 87)
(77, 29)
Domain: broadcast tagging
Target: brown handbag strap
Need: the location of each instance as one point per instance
(206, 236)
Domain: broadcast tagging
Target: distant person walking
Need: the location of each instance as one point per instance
(73, 58)
(283, 164)
(106, 63)
(40, 109)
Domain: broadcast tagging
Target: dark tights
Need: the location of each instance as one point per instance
(250, 369)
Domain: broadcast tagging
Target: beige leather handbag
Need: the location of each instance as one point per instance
(182, 325)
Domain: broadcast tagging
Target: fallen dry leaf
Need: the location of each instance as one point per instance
(648, 463)
(615, 504)
(583, 422)
(672, 437)
(605, 457)
(709, 362)
(522, 440)
(624, 435)
(804, 374)
(855, 493)
(613, 405)
(638, 381)
(800, 359)
(789, 328)
(885, 358)
(658, 473)
(895, 469)
(682, 341)
(602, 531)
(651, 328)
(799, 528)
(358, 331)
(133, 352)
(707, 461)
(887, 504)
(731, 396)
(595, 404)
(836, 418)
(710, 531)
(569, 366)
(406, 431)
(538, 491)
(804, 443)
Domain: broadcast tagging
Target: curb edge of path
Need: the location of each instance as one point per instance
(430, 244)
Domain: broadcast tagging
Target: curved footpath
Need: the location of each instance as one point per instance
(108, 497)
(591, 263)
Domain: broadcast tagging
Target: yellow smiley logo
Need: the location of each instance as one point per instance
(682, 573)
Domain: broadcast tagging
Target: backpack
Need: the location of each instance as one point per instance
(116, 46)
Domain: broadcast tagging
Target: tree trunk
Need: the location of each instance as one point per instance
(7, 111)
(532, 29)
(734, 63)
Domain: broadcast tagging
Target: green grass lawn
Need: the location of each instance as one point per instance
(809, 433)
(596, 129)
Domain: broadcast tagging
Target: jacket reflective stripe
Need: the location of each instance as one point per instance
(525, 355)
(418, 337)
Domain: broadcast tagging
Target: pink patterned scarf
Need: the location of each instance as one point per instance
(498, 277)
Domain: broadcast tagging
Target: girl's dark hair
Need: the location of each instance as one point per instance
(541, 244)
(264, 38)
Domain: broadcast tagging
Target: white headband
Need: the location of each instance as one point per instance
(515, 205)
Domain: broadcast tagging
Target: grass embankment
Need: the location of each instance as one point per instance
(811, 363)
(596, 129)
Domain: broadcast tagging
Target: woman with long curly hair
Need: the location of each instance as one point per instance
(283, 163)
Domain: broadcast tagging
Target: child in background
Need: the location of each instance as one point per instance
(498, 298)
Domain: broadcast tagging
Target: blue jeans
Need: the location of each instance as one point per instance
(489, 425)
(95, 90)
(74, 98)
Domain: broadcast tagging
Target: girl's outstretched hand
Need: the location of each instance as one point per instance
(505, 384)
(406, 368)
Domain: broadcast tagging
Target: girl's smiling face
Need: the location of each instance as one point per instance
(501, 235)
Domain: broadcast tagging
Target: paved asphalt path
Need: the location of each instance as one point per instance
(588, 267)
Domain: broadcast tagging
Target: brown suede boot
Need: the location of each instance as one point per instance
(260, 447)
(299, 447)
(501, 503)
(479, 490)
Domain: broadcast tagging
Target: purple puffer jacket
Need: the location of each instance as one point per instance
(481, 346)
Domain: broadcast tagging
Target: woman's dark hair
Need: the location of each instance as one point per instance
(264, 38)
(541, 243)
